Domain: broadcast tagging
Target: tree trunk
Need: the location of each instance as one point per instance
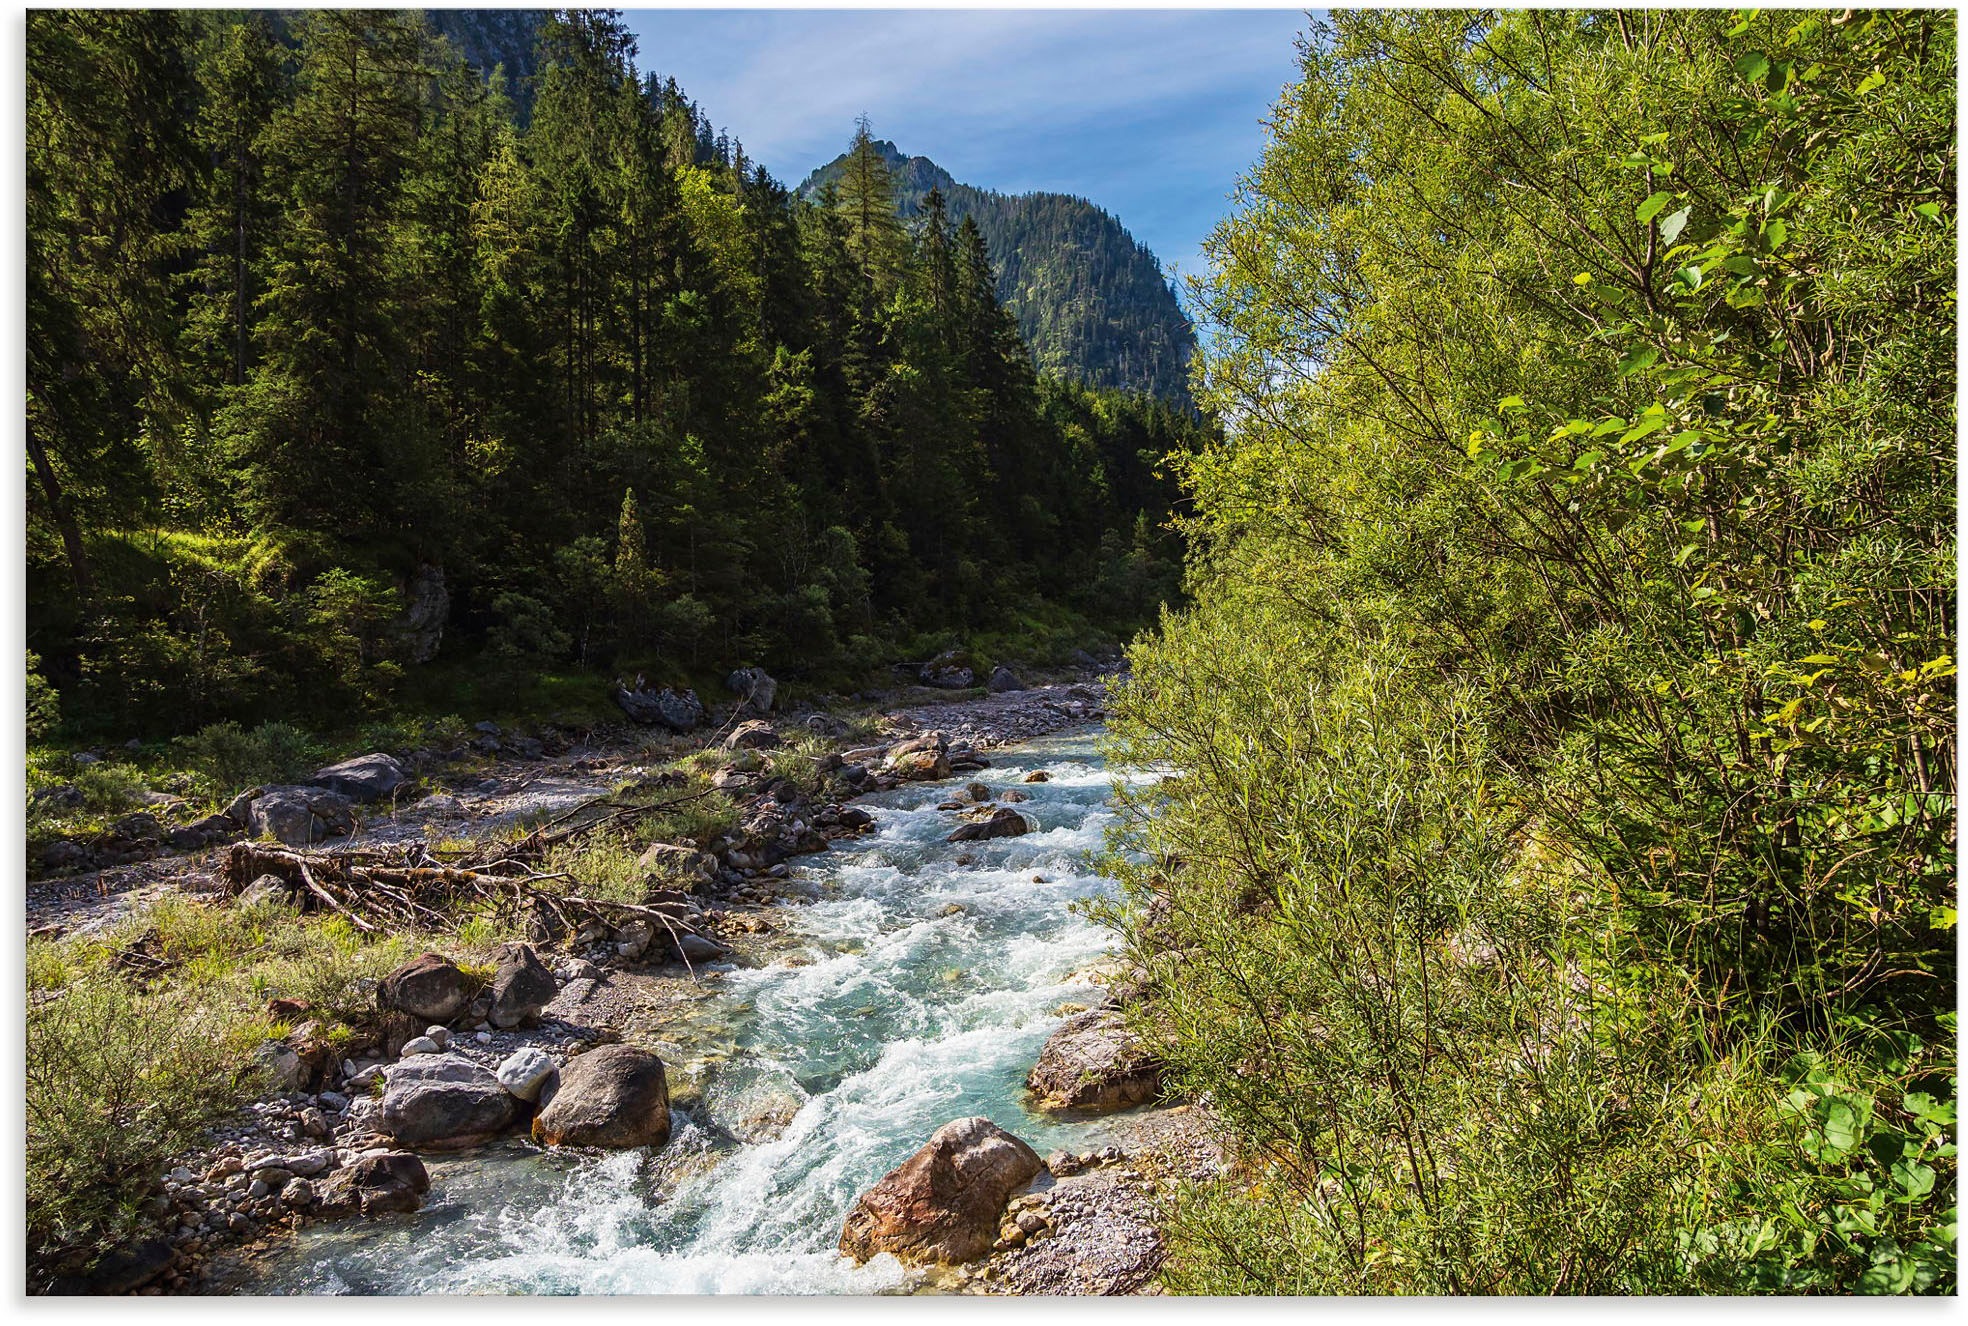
(71, 533)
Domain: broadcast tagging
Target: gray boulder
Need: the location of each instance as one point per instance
(1004, 823)
(679, 711)
(1093, 1063)
(754, 688)
(521, 987)
(525, 1072)
(615, 1096)
(364, 778)
(298, 816)
(1003, 680)
(451, 1105)
(686, 865)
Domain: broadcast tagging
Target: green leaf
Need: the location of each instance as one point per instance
(1671, 230)
(1753, 66)
(1639, 357)
(1776, 233)
(1932, 211)
(1873, 80)
(1650, 209)
(1652, 423)
(1841, 1125)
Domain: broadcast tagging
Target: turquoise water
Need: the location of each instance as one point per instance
(881, 1020)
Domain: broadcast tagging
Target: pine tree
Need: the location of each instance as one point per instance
(866, 197)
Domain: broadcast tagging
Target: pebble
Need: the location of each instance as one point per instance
(438, 1036)
(418, 1045)
(483, 1038)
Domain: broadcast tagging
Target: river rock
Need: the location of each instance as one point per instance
(429, 986)
(680, 711)
(1003, 680)
(614, 1096)
(364, 778)
(754, 688)
(921, 766)
(1011, 796)
(455, 1104)
(121, 1270)
(1094, 1063)
(685, 865)
(753, 735)
(943, 1204)
(525, 1072)
(1004, 823)
(521, 987)
(298, 816)
(372, 1185)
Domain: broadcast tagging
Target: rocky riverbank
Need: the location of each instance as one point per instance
(248, 1185)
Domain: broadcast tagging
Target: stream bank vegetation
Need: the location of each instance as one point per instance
(1555, 890)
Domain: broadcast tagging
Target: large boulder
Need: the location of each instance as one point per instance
(754, 688)
(1003, 680)
(298, 816)
(364, 778)
(429, 986)
(920, 766)
(679, 711)
(1004, 823)
(442, 1102)
(1093, 1063)
(371, 1185)
(121, 1270)
(521, 987)
(684, 865)
(949, 671)
(614, 1096)
(753, 735)
(945, 1202)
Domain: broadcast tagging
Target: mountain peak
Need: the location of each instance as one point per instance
(1090, 299)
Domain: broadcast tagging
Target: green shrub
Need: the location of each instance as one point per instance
(43, 704)
(233, 759)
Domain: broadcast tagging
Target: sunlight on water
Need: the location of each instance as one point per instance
(902, 1019)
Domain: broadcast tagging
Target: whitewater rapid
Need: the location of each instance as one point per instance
(889, 1013)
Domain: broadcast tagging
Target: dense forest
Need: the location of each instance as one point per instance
(1557, 892)
(338, 365)
(1090, 299)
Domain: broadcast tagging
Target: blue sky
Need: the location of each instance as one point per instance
(1152, 114)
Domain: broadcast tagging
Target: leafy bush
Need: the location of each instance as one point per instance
(233, 759)
(43, 704)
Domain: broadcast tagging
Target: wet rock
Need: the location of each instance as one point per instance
(1004, 823)
(615, 1096)
(1038, 776)
(943, 1204)
(392, 1181)
(921, 766)
(429, 986)
(521, 987)
(1012, 796)
(1094, 1063)
(453, 1104)
(370, 777)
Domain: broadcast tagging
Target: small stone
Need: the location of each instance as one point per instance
(483, 1038)
(418, 1045)
(298, 1192)
(333, 1101)
(314, 1123)
(441, 1036)
(257, 1189)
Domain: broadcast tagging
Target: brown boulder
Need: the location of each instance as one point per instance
(393, 1181)
(1094, 1063)
(521, 987)
(1004, 823)
(921, 766)
(753, 735)
(615, 1096)
(429, 986)
(945, 1202)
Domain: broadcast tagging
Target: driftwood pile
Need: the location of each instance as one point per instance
(404, 886)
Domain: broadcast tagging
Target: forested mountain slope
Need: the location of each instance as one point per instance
(1090, 299)
(335, 364)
